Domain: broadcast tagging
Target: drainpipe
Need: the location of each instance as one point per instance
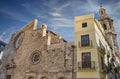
(73, 62)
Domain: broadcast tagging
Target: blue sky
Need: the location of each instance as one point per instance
(57, 14)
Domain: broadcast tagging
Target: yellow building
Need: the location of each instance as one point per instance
(95, 54)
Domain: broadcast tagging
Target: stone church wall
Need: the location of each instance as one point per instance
(28, 55)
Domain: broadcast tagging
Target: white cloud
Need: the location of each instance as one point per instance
(92, 6)
(60, 19)
(37, 11)
(117, 25)
(1, 35)
(55, 14)
(60, 8)
(62, 22)
(32, 9)
(54, 9)
(55, 6)
(117, 7)
(5, 35)
(15, 15)
(41, 16)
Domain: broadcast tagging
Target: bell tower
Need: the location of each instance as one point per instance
(107, 24)
(105, 20)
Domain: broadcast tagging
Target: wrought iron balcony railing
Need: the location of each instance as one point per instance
(101, 47)
(86, 65)
(86, 43)
(104, 68)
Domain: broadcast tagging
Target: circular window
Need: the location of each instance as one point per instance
(35, 57)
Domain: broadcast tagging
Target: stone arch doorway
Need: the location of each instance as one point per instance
(61, 78)
(44, 77)
(31, 77)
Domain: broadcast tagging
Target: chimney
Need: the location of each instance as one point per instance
(44, 29)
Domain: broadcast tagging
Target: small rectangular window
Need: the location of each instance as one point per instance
(84, 25)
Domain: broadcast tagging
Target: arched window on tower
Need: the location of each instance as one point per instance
(102, 12)
(104, 27)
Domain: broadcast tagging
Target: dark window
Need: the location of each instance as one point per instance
(102, 62)
(8, 76)
(85, 40)
(101, 46)
(104, 27)
(86, 60)
(102, 12)
(84, 25)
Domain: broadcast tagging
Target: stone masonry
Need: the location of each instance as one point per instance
(38, 54)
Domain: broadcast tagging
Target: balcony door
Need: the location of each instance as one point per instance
(85, 40)
(86, 60)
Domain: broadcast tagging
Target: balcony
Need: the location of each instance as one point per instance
(86, 65)
(104, 68)
(85, 43)
(101, 49)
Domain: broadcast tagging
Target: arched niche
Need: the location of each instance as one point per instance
(44, 77)
(31, 77)
(62, 77)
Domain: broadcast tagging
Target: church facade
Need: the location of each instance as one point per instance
(38, 54)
